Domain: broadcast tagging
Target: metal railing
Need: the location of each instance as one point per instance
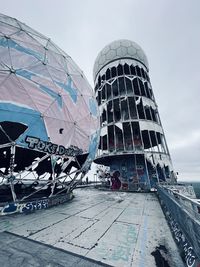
(183, 214)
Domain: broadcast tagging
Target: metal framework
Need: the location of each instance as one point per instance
(46, 143)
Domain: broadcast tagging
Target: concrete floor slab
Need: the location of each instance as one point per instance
(116, 228)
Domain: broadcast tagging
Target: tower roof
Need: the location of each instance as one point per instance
(119, 49)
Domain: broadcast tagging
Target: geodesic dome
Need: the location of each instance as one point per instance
(46, 104)
(118, 50)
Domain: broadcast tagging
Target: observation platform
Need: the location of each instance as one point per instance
(97, 228)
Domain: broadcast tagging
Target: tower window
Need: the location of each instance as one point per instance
(133, 71)
(108, 76)
(126, 69)
(120, 70)
(113, 72)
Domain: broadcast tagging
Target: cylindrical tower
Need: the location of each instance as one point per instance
(132, 140)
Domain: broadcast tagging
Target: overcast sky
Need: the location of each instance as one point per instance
(169, 33)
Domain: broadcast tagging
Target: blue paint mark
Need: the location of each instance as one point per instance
(12, 207)
(53, 94)
(12, 44)
(28, 75)
(143, 244)
(69, 89)
(93, 145)
(93, 107)
(26, 116)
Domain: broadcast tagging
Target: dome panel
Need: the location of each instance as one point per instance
(45, 82)
(118, 50)
(111, 54)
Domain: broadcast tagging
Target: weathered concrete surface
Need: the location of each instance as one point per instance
(17, 251)
(116, 228)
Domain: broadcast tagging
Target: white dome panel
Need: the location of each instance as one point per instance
(118, 50)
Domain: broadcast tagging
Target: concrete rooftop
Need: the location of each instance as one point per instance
(115, 228)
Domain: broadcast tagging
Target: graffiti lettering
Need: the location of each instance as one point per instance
(35, 205)
(189, 254)
(48, 147)
(58, 200)
(30, 206)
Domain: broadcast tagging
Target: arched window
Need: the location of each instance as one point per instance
(108, 76)
(126, 69)
(138, 71)
(136, 87)
(129, 88)
(99, 80)
(133, 71)
(113, 72)
(120, 70)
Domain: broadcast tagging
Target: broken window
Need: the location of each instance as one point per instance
(153, 114)
(133, 71)
(160, 146)
(167, 171)
(108, 74)
(119, 137)
(104, 119)
(147, 90)
(147, 113)
(140, 108)
(117, 113)
(136, 135)
(120, 70)
(142, 89)
(147, 77)
(110, 111)
(99, 81)
(113, 72)
(138, 71)
(109, 92)
(154, 140)
(164, 143)
(135, 86)
(160, 172)
(126, 69)
(152, 172)
(111, 143)
(128, 86)
(157, 117)
(127, 136)
(146, 140)
(105, 145)
(122, 89)
(151, 94)
(115, 88)
(132, 108)
(143, 74)
(124, 108)
(103, 94)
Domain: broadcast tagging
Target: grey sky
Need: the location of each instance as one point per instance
(169, 33)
